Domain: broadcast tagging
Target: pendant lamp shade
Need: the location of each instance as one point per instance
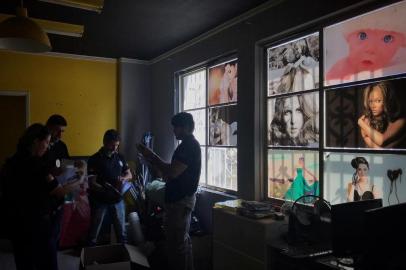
(20, 33)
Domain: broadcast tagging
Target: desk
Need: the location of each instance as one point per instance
(240, 242)
(281, 261)
(277, 259)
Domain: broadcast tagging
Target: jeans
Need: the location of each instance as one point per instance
(117, 214)
(177, 225)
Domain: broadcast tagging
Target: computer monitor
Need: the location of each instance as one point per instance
(384, 237)
(347, 224)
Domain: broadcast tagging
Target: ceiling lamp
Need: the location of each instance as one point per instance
(19, 33)
(53, 27)
(92, 5)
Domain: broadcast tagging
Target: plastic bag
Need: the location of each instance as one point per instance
(156, 191)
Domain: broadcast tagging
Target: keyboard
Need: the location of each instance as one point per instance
(307, 251)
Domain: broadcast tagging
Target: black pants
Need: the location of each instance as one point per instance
(33, 244)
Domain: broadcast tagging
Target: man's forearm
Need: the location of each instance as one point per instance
(161, 165)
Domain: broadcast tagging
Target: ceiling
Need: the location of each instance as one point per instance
(139, 29)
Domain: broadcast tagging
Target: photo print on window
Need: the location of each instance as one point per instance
(362, 176)
(294, 120)
(367, 116)
(294, 66)
(223, 125)
(223, 83)
(369, 46)
(292, 174)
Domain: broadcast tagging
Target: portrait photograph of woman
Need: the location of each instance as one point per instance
(367, 116)
(294, 66)
(369, 46)
(294, 120)
(223, 83)
(292, 174)
(360, 176)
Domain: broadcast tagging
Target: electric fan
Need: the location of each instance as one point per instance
(309, 220)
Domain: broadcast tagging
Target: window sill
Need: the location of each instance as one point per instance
(231, 194)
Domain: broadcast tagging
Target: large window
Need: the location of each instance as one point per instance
(210, 95)
(339, 129)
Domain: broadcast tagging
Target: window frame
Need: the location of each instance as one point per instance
(291, 35)
(179, 107)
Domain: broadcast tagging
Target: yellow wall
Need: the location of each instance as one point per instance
(83, 91)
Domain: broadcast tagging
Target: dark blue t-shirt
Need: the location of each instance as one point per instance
(56, 151)
(189, 153)
(107, 169)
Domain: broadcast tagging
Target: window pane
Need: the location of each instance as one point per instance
(356, 115)
(194, 90)
(223, 83)
(294, 66)
(292, 174)
(366, 174)
(294, 120)
(203, 170)
(350, 53)
(222, 167)
(199, 116)
(223, 125)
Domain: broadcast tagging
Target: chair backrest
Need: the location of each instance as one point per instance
(347, 220)
(385, 237)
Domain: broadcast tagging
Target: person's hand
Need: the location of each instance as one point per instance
(80, 164)
(57, 171)
(361, 120)
(145, 151)
(121, 179)
(50, 178)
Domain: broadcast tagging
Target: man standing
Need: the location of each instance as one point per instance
(109, 170)
(57, 151)
(56, 125)
(182, 178)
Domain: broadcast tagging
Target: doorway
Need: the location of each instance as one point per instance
(14, 107)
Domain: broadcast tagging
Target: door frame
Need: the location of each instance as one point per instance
(25, 94)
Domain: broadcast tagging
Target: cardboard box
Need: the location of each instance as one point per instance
(109, 257)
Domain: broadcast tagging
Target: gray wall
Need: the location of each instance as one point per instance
(240, 38)
(134, 103)
(157, 85)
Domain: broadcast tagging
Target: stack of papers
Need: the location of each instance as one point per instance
(254, 209)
